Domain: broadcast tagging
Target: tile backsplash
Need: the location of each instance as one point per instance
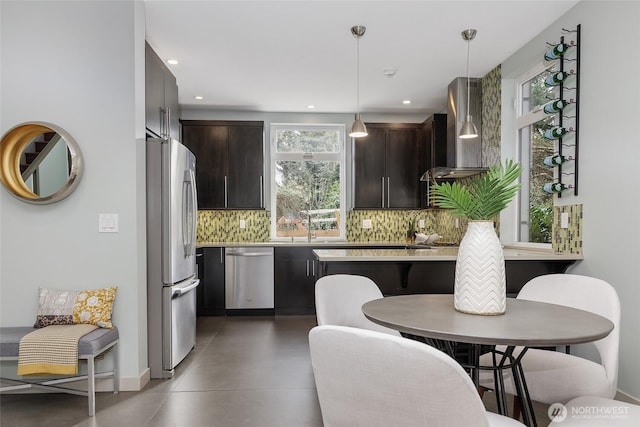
(392, 225)
(567, 240)
(386, 226)
(224, 226)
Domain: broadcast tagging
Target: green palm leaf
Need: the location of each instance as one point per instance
(482, 198)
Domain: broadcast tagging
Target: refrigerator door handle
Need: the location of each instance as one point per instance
(189, 214)
(181, 291)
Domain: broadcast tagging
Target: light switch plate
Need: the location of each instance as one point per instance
(366, 223)
(107, 223)
(421, 223)
(564, 220)
(243, 223)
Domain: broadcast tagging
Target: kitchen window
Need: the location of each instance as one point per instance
(536, 206)
(308, 181)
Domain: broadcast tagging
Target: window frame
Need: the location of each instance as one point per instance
(525, 120)
(340, 157)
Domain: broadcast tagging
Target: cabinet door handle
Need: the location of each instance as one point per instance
(382, 202)
(261, 191)
(388, 191)
(226, 200)
(313, 268)
(307, 262)
(168, 123)
(221, 255)
(162, 123)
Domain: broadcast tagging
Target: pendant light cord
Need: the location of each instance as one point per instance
(468, 77)
(358, 75)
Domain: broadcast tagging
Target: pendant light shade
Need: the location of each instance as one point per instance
(358, 129)
(468, 129)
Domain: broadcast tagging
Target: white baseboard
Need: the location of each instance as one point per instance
(126, 383)
(135, 384)
(624, 397)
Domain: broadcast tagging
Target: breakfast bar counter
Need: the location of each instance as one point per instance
(432, 270)
(432, 254)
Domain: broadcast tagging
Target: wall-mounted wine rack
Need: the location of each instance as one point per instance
(567, 55)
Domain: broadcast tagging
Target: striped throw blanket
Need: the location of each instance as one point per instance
(51, 350)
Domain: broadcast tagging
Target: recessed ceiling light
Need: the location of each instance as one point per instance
(311, 107)
(172, 61)
(198, 97)
(406, 101)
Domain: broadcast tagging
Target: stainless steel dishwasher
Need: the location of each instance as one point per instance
(249, 278)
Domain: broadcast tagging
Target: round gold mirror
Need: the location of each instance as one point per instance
(39, 162)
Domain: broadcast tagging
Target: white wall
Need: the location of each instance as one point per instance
(79, 65)
(609, 153)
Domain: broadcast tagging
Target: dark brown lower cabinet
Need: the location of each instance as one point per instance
(294, 280)
(210, 292)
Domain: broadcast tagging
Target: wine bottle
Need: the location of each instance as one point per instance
(556, 52)
(556, 78)
(555, 187)
(556, 132)
(556, 160)
(555, 106)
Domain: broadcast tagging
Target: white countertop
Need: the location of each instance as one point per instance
(432, 254)
(314, 243)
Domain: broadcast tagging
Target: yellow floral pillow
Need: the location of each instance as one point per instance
(95, 306)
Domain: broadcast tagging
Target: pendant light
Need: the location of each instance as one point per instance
(358, 129)
(468, 129)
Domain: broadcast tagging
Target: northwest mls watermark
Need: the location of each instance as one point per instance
(559, 412)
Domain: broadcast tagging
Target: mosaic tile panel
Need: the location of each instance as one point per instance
(567, 240)
(491, 115)
(224, 226)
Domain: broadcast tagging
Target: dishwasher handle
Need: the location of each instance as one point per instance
(249, 254)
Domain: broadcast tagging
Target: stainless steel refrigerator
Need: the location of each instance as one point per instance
(171, 261)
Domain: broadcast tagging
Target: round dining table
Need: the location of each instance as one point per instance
(524, 324)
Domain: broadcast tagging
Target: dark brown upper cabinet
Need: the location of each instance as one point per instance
(434, 137)
(161, 98)
(229, 162)
(387, 165)
(434, 134)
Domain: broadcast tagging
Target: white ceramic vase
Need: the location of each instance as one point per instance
(480, 283)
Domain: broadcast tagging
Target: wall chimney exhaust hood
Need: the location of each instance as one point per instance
(464, 156)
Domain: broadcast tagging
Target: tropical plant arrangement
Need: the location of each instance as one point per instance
(480, 280)
(483, 198)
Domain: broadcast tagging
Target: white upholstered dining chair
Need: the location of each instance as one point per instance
(339, 299)
(557, 377)
(368, 378)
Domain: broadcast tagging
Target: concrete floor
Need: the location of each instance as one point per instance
(244, 371)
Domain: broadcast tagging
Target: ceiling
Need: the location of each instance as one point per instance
(281, 56)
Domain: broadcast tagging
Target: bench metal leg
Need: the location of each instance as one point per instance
(91, 385)
(116, 369)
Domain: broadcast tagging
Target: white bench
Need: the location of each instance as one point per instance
(90, 346)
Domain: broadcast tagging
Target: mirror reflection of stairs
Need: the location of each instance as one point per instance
(36, 151)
